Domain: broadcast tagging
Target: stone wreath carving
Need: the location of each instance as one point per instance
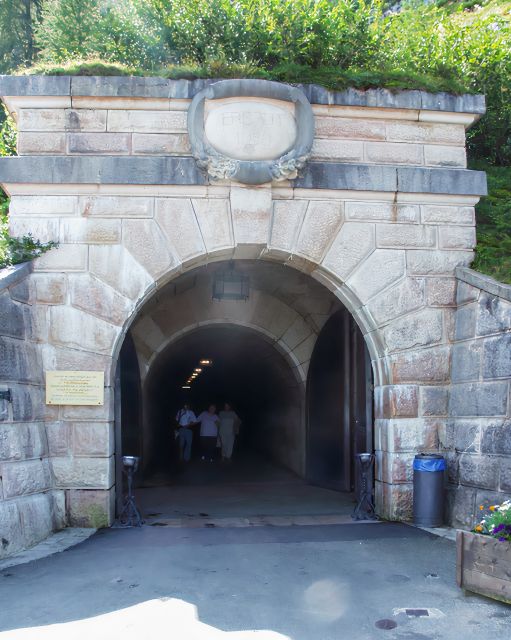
(264, 133)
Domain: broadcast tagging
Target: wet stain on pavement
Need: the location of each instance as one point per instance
(386, 624)
(397, 578)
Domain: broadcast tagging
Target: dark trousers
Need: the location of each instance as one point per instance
(208, 446)
(185, 438)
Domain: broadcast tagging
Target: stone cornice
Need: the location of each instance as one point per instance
(484, 282)
(149, 87)
(157, 170)
(14, 274)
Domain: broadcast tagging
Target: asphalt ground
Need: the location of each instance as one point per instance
(353, 581)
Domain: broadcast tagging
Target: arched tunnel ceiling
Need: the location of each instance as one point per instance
(285, 305)
(297, 290)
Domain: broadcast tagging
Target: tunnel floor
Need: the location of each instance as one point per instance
(250, 490)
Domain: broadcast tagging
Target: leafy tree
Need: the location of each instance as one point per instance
(69, 28)
(17, 24)
(122, 31)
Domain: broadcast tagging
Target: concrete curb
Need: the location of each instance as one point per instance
(55, 543)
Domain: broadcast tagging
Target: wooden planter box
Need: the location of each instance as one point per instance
(483, 565)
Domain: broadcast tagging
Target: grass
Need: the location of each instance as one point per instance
(329, 77)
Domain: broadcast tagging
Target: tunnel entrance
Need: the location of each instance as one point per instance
(247, 372)
(291, 362)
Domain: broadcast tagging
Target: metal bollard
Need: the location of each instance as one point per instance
(365, 505)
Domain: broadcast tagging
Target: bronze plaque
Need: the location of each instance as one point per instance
(75, 387)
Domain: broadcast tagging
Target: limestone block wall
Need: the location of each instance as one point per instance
(391, 263)
(157, 126)
(106, 170)
(480, 399)
(30, 507)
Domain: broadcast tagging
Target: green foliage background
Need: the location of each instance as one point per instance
(444, 46)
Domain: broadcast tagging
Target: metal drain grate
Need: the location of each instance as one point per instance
(417, 613)
(430, 612)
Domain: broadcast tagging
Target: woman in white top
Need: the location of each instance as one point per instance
(208, 432)
(229, 427)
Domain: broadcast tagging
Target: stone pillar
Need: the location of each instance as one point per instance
(30, 507)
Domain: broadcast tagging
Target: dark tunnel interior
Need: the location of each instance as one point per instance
(247, 371)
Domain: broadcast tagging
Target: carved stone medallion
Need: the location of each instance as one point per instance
(251, 131)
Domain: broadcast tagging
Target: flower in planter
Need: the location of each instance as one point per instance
(497, 522)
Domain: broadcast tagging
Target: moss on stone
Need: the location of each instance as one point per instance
(96, 516)
(330, 77)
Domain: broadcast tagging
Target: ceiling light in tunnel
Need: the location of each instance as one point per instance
(206, 363)
(186, 386)
(230, 285)
(197, 370)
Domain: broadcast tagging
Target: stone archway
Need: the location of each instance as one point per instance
(104, 302)
(288, 309)
(381, 214)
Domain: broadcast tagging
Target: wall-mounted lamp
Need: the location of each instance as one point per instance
(230, 285)
(365, 505)
(130, 515)
(5, 394)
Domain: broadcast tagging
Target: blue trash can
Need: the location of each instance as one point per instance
(428, 489)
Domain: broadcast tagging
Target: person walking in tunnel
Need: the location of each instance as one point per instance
(208, 432)
(228, 428)
(185, 419)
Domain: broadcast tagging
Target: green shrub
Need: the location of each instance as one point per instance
(493, 215)
(472, 47)
(269, 32)
(17, 250)
(14, 250)
(8, 134)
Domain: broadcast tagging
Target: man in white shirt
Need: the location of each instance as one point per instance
(185, 419)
